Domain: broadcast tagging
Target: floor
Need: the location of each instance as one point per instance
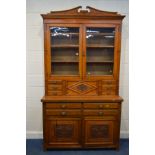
(34, 147)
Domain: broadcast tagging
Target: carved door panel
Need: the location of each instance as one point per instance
(99, 132)
(64, 132)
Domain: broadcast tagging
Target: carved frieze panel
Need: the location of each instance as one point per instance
(82, 87)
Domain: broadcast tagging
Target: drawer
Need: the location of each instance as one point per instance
(109, 92)
(55, 82)
(54, 87)
(100, 112)
(55, 93)
(109, 82)
(108, 88)
(63, 105)
(101, 105)
(63, 112)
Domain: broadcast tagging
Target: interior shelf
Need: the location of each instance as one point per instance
(100, 34)
(55, 61)
(100, 62)
(59, 34)
(97, 73)
(99, 46)
(65, 46)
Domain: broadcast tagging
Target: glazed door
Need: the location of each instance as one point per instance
(100, 51)
(64, 51)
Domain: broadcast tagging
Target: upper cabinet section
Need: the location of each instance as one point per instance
(82, 44)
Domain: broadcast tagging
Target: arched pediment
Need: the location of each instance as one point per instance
(78, 12)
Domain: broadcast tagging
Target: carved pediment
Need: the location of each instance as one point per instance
(77, 12)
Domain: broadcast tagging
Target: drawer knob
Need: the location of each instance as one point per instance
(63, 106)
(76, 54)
(107, 106)
(63, 113)
(100, 106)
(100, 113)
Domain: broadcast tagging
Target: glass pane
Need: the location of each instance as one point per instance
(100, 51)
(65, 69)
(64, 50)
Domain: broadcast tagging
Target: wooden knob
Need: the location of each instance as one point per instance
(63, 106)
(100, 113)
(63, 113)
(107, 106)
(100, 106)
(76, 54)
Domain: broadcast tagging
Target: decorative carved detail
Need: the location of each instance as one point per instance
(73, 10)
(64, 131)
(82, 87)
(99, 131)
(86, 13)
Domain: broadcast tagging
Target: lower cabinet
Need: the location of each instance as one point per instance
(63, 132)
(81, 125)
(100, 132)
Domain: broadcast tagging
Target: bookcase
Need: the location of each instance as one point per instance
(81, 105)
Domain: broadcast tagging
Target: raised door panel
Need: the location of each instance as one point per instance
(63, 132)
(99, 132)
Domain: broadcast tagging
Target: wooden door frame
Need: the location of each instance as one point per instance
(48, 53)
(116, 52)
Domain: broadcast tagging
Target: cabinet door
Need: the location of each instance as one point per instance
(64, 50)
(100, 50)
(63, 132)
(99, 132)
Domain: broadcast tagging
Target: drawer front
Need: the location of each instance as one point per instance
(54, 93)
(109, 90)
(58, 82)
(54, 87)
(100, 112)
(64, 105)
(112, 92)
(63, 112)
(109, 82)
(101, 105)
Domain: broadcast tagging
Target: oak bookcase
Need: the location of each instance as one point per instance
(81, 105)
